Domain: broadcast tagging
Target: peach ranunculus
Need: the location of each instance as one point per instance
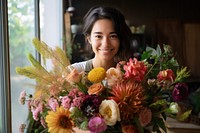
(135, 69)
(95, 89)
(110, 112)
(113, 76)
(145, 116)
(74, 76)
(167, 74)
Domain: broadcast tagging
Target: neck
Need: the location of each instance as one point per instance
(103, 63)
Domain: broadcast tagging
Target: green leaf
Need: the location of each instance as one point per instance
(162, 124)
(159, 102)
(84, 125)
(184, 115)
(158, 50)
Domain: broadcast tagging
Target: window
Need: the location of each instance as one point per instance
(22, 28)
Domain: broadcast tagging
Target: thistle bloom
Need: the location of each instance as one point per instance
(135, 69)
(97, 125)
(59, 121)
(97, 75)
(180, 92)
(110, 112)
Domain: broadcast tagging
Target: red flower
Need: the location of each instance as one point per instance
(135, 69)
(166, 75)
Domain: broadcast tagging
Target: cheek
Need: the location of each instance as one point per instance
(117, 46)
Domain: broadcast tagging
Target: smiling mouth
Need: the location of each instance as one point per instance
(106, 50)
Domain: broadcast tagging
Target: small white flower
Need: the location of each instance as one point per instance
(174, 107)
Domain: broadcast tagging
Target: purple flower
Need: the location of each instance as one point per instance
(97, 125)
(180, 92)
(53, 103)
(66, 102)
(90, 105)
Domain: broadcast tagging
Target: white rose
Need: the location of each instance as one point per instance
(110, 112)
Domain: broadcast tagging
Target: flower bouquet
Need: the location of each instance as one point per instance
(133, 97)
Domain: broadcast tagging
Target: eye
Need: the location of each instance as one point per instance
(113, 36)
(98, 36)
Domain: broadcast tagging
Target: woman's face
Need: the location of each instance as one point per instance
(104, 40)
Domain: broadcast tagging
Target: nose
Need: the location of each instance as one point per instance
(105, 41)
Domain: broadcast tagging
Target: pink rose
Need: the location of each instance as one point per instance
(145, 117)
(113, 76)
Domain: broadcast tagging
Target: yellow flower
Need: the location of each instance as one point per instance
(59, 121)
(97, 75)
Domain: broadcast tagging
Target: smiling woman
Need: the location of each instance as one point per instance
(106, 31)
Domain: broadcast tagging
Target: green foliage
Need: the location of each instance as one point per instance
(185, 115)
(182, 74)
(21, 31)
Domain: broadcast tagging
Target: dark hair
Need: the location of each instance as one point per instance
(121, 28)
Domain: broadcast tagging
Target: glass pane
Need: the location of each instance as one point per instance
(51, 24)
(21, 33)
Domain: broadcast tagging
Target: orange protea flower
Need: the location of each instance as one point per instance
(59, 121)
(129, 96)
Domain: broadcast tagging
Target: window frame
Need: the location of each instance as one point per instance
(5, 69)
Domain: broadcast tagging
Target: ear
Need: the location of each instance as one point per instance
(88, 39)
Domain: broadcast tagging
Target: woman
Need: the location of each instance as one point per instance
(108, 34)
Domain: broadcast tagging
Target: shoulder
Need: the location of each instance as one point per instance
(80, 66)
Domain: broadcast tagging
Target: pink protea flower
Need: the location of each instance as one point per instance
(135, 69)
(97, 125)
(167, 74)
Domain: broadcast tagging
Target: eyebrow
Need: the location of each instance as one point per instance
(102, 33)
